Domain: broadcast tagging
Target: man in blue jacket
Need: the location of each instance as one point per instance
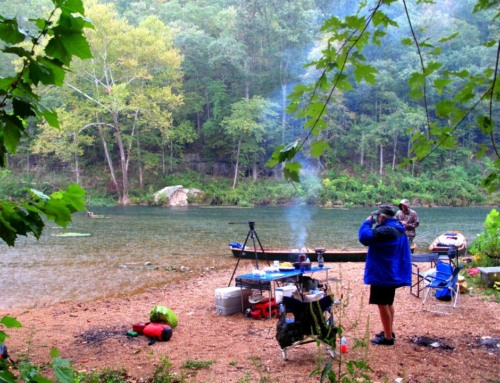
(388, 265)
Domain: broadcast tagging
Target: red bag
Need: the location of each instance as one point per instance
(264, 310)
(158, 331)
(138, 327)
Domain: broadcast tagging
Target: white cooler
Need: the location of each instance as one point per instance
(228, 300)
(284, 291)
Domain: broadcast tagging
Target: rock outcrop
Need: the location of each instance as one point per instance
(175, 195)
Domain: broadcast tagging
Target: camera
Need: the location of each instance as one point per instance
(374, 218)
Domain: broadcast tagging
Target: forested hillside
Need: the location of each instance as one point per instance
(196, 92)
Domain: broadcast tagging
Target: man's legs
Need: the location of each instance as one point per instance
(383, 297)
(387, 318)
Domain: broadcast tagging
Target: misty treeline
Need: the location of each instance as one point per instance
(203, 85)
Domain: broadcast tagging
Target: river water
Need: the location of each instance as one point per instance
(112, 260)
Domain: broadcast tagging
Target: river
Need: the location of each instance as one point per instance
(113, 260)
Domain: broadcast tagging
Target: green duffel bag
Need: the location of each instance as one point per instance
(162, 314)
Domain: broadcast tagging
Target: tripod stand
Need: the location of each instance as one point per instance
(251, 234)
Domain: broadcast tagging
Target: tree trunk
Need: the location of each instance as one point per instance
(254, 168)
(237, 163)
(123, 161)
(110, 163)
(362, 154)
(394, 152)
(283, 114)
(207, 104)
(139, 159)
(77, 166)
(381, 169)
(171, 157)
(163, 161)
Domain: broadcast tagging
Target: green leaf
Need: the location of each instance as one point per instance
(39, 73)
(62, 370)
(483, 149)
(54, 353)
(407, 41)
(7, 376)
(432, 67)
(56, 49)
(70, 6)
(51, 117)
(18, 51)
(485, 124)
(3, 336)
(10, 322)
(380, 18)
(318, 148)
(13, 129)
(10, 31)
(451, 37)
(22, 109)
(365, 72)
(7, 82)
(56, 66)
(440, 83)
(77, 45)
(291, 171)
(490, 43)
(275, 157)
(38, 195)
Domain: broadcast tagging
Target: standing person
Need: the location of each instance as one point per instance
(409, 218)
(388, 265)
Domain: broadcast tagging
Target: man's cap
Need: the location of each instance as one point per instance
(404, 202)
(388, 210)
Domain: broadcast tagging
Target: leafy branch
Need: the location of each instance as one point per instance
(20, 102)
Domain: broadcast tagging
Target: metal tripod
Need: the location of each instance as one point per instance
(251, 234)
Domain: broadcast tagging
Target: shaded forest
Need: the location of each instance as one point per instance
(196, 92)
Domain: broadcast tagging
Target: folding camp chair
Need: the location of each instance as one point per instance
(445, 279)
(418, 276)
(312, 321)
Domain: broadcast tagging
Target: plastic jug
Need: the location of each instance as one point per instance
(343, 345)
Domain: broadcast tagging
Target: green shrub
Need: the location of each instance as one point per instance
(487, 244)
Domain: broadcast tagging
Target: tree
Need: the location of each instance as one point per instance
(449, 97)
(66, 143)
(128, 84)
(61, 33)
(247, 126)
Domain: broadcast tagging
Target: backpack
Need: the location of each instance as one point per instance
(443, 294)
(162, 314)
(263, 310)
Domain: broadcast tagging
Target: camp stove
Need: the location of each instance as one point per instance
(319, 253)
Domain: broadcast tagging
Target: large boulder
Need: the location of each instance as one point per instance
(177, 195)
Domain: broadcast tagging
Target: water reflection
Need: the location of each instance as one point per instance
(111, 262)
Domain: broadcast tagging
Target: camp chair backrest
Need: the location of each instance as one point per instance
(309, 314)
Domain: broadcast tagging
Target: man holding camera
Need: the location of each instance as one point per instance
(388, 265)
(409, 218)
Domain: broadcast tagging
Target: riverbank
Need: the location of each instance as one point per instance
(92, 335)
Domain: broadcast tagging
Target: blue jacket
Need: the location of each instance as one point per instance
(388, 261)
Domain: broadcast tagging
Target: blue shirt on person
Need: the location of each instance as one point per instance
(388, 261)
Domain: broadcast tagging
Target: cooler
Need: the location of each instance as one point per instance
(284, 291)
(228, 300)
